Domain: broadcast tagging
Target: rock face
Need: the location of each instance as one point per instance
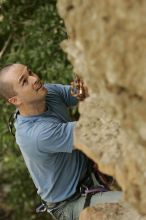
(111, 212)
(106, 46)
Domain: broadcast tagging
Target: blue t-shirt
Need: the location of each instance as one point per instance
(46, 143)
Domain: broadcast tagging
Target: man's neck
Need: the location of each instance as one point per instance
(32, 109)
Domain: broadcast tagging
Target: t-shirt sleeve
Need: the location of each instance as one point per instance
(56, 138)
(65, 92)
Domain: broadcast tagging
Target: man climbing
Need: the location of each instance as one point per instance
(46, 137)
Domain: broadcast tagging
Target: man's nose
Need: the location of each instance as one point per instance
(34, 79)
(35, 82)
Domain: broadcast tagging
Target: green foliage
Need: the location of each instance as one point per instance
(30, 33)
(36, 31)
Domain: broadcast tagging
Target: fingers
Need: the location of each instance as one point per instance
(78, 89)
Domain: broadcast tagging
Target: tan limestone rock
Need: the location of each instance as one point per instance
(120, 211)
(106, 45)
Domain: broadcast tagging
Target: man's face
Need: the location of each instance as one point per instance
(26, 84)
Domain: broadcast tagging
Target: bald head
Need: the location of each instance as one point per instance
(6, 86)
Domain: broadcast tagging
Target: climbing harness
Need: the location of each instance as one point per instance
(90, 185)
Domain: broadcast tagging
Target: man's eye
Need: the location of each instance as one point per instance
(24, 82)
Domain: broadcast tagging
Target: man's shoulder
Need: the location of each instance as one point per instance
(31, 135)
(32, 126)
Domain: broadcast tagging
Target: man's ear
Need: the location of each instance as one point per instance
(14, 100)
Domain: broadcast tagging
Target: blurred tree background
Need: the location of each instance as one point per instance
(30, 33)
